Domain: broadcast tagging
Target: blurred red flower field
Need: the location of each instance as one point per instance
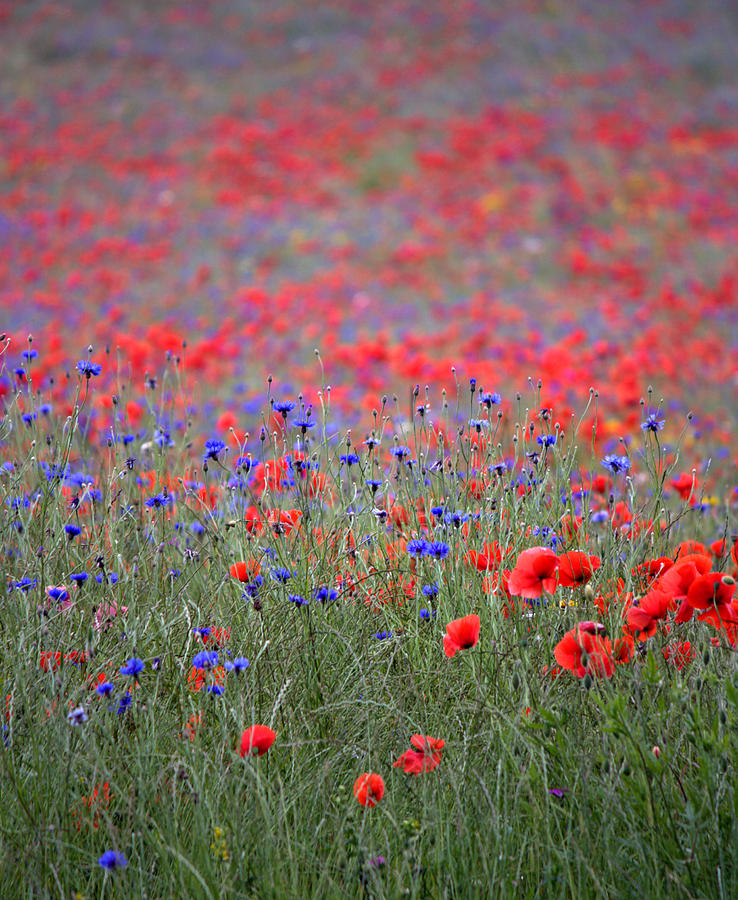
(514, 189)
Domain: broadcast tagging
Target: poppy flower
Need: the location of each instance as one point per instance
(258, 738)
(461, 634)
(585, 650)
(643, 618)
(424, 755)
(369, 789)
(678, 579)
(712, 589)
(535, 572)
(685, 484)
(622, 649)
(244, 571)
(487, 558)
(577, 568)
(681, 654)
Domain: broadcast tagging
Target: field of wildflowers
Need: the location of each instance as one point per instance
(368, 449)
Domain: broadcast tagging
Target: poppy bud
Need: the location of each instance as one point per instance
(656, 751)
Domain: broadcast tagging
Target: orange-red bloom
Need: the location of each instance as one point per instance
(535, 572)
(258, 739)
(424, 755)
(577, 568)
(244, 571)
(461, 634)
(585, 650)
(369, 789)
(643, 619)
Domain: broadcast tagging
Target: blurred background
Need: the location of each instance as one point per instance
(513, 188)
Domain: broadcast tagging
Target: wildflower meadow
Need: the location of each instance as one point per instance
(368, 468)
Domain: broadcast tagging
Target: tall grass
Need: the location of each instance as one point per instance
(549, 785)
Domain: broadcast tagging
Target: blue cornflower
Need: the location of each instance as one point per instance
(104, 689)
(349, 459)
(304, 424)
(284, 407)
(417, 547)
(206, 659)
(251, 589)
(383, 635)
(72, 531)
(197, 528)
(111, 860)
(601, 515)
(110, 578)
(324, 594)
(216, 689)
(430, 590)
(479, 424)
(123, 704)
(499, 468)
(374, 484)
(77, 716)
(133, 666)
(281, 575)
(213, 448)
(427, 614)
(244, 463)
(298, 600)
(162, 438)
(88, 368)
(29, 417)
(653, 423)
(400, 451)
(58, 593)
(546, 440)
(616, 463)
(79, 577)
(45, 409)
(25, 584)
(240, 664)
(456, 518)
(158, 501)
(438, 550)
(488, 399)
(30, 354)
(548, 536)
(436, 511)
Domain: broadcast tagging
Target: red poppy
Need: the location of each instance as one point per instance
(685, 485)
(244, 571)
(585, 650)
(461, 634)
(654, 568)
(681, 654)
(622, 649)
(577, 568)
(712, 590)
(643, 618)
(424, 755)
(535, 572)
(369, 789)
(678, 579)
(486, 558)
(258, 738)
